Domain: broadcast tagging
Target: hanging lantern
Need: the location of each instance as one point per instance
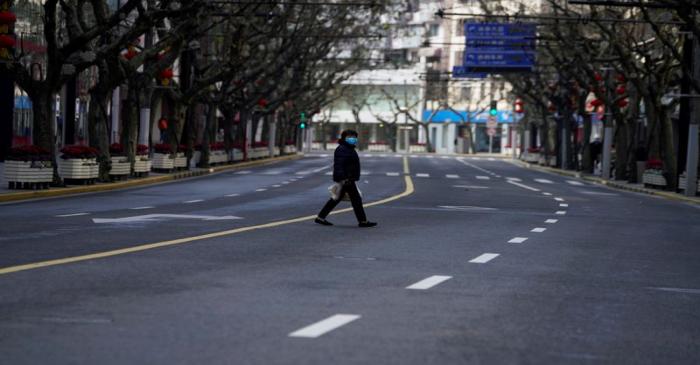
(596, 102)
(166, 76)
(621, 90)
(262, 102)
(623, 103)
(131, 53)
(162, 124)
(519, 106)
(598, 77)
(7, 18)
(7, 41)
(620, 78)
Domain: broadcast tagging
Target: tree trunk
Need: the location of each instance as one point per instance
(587, 163)
(99, 130)
(621, 149)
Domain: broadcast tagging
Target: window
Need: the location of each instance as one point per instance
(434, 30)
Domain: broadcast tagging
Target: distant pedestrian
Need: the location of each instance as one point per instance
(346, 171)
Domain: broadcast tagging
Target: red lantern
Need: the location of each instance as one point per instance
(262, 102)
(7, 17)
(598, 77)
(596, 102)
(167, 73)
(163, 124)
(7, 41)
(621, 78)
(519, 106)
(623, 103)
(130, 53)
(621, 90)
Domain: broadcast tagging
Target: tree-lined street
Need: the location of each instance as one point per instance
(483, 261)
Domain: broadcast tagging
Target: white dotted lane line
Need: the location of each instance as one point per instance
(193, 201)
(324, 326)
(517, 240)
(429, 282)
(422, 175)
(551, 221)
(538, 230)
(71, 215)
(141, 208)
(547, 194)
(392, 174)
(564, 205)
(231, 195)
(559, 199)
(482, 259)
(560, 212)
(452, 176)
(261, 189)
(480, 177)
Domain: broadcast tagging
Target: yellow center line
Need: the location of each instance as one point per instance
(150, 246)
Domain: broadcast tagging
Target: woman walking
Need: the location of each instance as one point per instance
(346, 171)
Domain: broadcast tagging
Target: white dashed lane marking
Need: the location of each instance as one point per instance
(231, 195)
(517, 240)
(452, 176)
(141, 208)
(245, 172)
(575, 183)
(559, 199)
(484, 258)
(547, 194)
(544, 181)
(523, 186)
(551, 221)
(71, 215)
(276, 186)
(483, 177)
(564, 205)
(324, 326)
(514, 179)
(539, 230)
(262, 189)
(428, 283)
(560, 212)
(422, 175)
(392, 174)
(193, 201)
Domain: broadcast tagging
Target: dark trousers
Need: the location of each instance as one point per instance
(355, 199)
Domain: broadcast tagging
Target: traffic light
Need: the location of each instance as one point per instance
(494, 109)
(302, 119)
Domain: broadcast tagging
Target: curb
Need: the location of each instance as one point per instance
(58, 192)
(608, 183)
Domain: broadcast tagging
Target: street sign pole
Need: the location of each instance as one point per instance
(691, 169)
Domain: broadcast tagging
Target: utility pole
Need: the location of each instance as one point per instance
(691, 168)
(7, 91)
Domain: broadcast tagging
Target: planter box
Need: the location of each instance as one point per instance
(531, 157)
(78, 168)
(142, 164)
(276, 151)
(376, 147)
(196, 158)
(28, 172)
(683, 182)
(120, 166)
(217, 157)
(651, 177)
(236, 155)
(162, 161)
(180, 160)
(417, 148)
(290, 149)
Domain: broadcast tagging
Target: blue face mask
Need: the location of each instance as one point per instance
(351, 140)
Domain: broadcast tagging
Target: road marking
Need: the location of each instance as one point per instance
(231, 195)
(497, 176)
(523, 186)
(560, 212)
(551, 221)
(429, 156)
(564, 205)
(492, 159)
(547, 194)
(409, 189)
(599, 193)
(329, 173)
(261, 189)
(677, 290)
(383, 155)
(464, 207)
(483, 178)
(452, 176)
(574, 182)
(445, 157)
(276, 186)
(285, 182)
(141, 208)
(366, 155)
(484, 258)
(476, 158)
(470, 187)
(363, 172)
(414, 156)
(272, 172)
(422, 175)
(324, 326)
(71, 215)
(428, 283)
(559, 199)
(193, 201)
(517, 240)
(514, 179)
(160, 217)
(544, 181)
(292, 180)
(539, 230)
(392, 174)
(244, 172)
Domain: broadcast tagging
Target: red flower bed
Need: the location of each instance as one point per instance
(116, 149)
(142, 149)
(217, 146)
(70, 152)
(29, 153)
(181, 148)
(533, 150)
(260, 144)
(163, 148)
(654, 164)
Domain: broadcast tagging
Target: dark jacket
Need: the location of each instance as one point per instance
(346, 163)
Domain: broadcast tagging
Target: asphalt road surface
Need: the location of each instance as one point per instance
(474, 261)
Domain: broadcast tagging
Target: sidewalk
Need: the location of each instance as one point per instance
(637, 188)
(7, 195)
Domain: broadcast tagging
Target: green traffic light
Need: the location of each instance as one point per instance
(302, 125)
(493, 112)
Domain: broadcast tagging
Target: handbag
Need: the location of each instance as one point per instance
(335, 190)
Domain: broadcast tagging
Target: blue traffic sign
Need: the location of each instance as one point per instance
(500, 30)
(504, 59)
(499, 47)
(463, 73)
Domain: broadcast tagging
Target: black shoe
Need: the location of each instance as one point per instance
(367, 224)
(323, 222)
